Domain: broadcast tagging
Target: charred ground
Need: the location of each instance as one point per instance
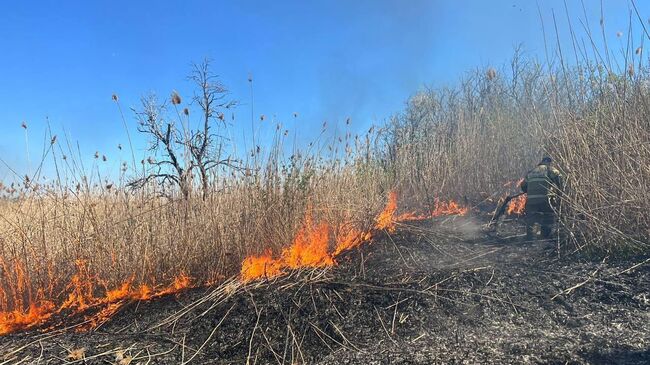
(439, 291)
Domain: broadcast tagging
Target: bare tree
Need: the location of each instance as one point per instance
(182, 148)
(207, 148)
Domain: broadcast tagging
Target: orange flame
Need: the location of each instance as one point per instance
(262, 266)
(82, 296)
(448, 208)
(411, 216)
(517, 205)
(87, 293)
(311, 244)
(36, 315)
(386, 219)
(309, 249)
(351, 239)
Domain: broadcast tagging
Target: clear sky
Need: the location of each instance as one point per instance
(326, 60)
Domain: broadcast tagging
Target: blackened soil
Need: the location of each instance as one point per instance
(435, 292)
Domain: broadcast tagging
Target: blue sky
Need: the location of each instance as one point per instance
(326, 60)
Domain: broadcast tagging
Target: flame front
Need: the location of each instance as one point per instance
(386, 219)
(310, 247)
(81, 297)
(87, 295)
(350, 239)
(37, 314)
(262, 266)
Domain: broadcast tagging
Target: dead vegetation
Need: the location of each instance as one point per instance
(427, 294)
(198, 211)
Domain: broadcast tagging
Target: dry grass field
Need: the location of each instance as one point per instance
(191, 215)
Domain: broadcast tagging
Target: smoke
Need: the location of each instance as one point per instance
(467, 227)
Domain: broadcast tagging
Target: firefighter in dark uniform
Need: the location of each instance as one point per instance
(542, 185)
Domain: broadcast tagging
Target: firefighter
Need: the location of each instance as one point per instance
(543, 185)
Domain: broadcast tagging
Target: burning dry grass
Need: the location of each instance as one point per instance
(84, 242)
(311, 246)
(90, 247)
(136, 258)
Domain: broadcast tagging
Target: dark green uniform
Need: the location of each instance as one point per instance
(542, 186)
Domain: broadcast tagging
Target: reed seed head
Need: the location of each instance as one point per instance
(491, 73)
(176, 99)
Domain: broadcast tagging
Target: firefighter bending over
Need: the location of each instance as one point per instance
(542, 185)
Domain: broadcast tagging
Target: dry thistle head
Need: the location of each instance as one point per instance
(250, 77)
(262, 117)
(630, 70)
(176, 99)
(348, 120)
(104, 158)
(491, 73)
(53, 141)
(96, 155)
(619, 34)
(114, 97)
(186, 111)
(295, 114)
(23, 125)
(119, 146)
(639, 50)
